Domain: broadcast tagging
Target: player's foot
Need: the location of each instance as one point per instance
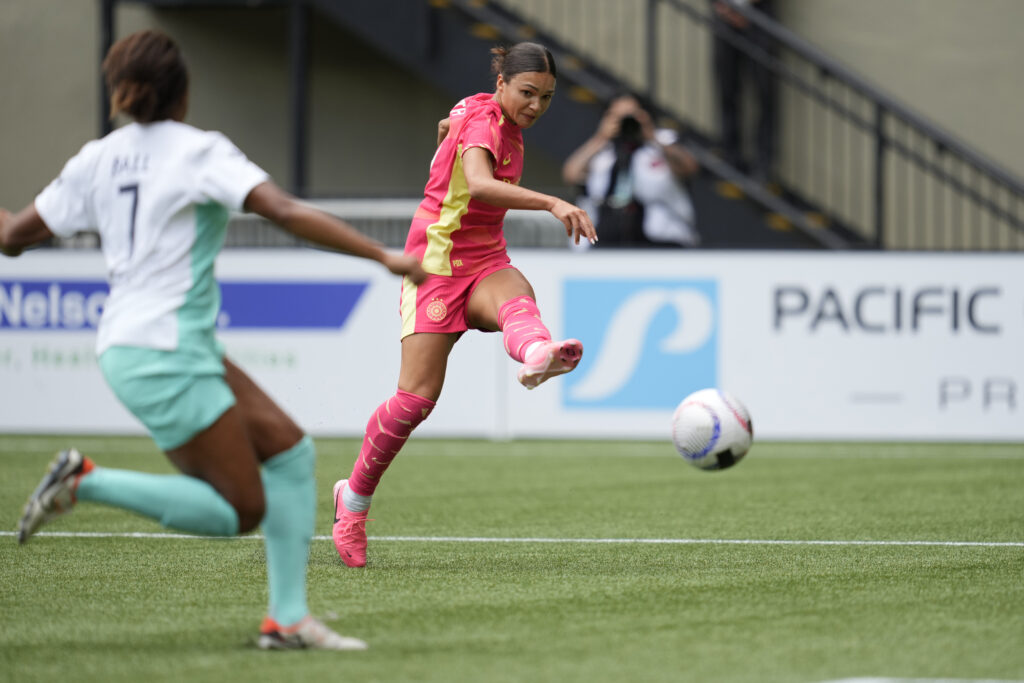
(55, 494)
(349, 530)
(308, 633)
(550, 359)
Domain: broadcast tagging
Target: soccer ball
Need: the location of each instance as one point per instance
(712, 430)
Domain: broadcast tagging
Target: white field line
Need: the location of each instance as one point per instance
(582, 541)
(921, 680)
(97, 445)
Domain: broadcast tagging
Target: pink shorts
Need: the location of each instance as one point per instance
(440, 304)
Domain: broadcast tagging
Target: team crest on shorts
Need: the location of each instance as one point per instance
(436, 310)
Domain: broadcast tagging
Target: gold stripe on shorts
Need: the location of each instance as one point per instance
(408, 306)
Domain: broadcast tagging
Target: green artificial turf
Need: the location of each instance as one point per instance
(554, 561)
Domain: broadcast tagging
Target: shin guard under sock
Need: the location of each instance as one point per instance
(290, 492)
(519, 320)
(386, 433)
(176, 501)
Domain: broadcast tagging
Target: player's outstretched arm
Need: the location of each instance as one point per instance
(484, 187)
(273, 203)
(21, 230)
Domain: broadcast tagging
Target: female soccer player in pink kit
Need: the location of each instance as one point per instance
(457, 234)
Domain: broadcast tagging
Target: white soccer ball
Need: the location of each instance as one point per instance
(712, 430)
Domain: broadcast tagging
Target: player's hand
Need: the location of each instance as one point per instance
(611, 122)
(443, 126)
(576, 221)
(404, 264)
(608, 128)
(5, 216)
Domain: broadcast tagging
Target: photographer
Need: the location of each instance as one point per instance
(633, 179)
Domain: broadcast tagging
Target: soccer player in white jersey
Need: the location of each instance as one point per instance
(159, 192)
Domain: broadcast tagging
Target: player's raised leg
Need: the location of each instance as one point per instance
(548, 360)
(504, 301)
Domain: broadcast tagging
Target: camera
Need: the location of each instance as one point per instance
(629, 129)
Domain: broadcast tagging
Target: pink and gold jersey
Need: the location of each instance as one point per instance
(451, 233)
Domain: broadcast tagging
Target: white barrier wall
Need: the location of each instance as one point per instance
(858, 346)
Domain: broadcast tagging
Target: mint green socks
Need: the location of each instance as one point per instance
(290, 491)
(189, 504)
(175, 500)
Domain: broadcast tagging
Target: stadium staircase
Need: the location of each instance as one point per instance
(433, 39)
(857, 168)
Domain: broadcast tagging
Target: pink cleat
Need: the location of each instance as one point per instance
(550, 359)
(349, 530)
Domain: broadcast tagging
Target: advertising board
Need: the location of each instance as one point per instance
(819, 345)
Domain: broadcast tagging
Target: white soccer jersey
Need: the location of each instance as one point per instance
(159, 194)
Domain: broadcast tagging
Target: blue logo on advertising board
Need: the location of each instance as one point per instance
(78, 304)
(51, 305)
(302, 305)
(648, 343)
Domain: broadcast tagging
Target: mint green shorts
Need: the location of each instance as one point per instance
(175, 394)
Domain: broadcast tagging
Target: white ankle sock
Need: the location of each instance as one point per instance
(354, 502)
(530, 348)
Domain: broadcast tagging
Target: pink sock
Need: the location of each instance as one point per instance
(519, 320)
(386, 433)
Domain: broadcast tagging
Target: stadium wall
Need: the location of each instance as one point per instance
(827, 346)
(372, 128)
(958, 62)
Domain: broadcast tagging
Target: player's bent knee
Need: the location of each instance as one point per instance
(271, 432)
(250, 513)
(248, 522)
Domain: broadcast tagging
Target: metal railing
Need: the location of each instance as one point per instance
(387, 221)
(850, 158)
(853, 157)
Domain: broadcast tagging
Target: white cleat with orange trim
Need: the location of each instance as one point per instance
(307, 634)
(55, 495)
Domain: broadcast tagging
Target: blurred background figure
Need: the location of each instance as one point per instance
(732, 64)
(633, 180)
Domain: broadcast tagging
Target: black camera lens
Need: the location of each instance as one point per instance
(629, 128)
